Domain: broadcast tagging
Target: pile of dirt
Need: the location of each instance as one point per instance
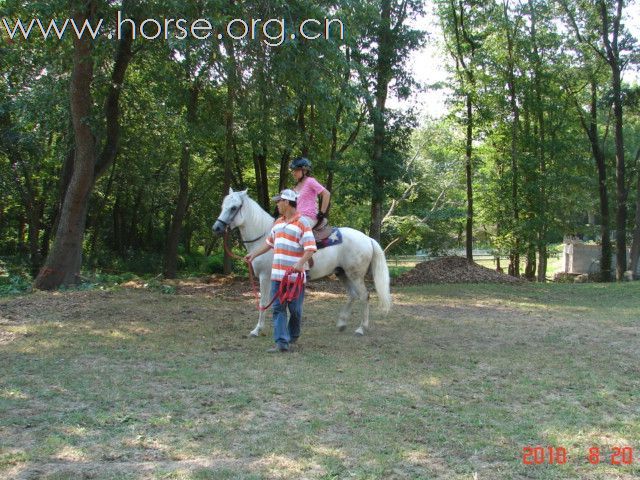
(452, 270)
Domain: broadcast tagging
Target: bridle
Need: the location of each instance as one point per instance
(228, 224)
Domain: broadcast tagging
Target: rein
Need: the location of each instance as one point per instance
(289, 289)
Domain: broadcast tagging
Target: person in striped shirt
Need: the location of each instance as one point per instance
(293, 245)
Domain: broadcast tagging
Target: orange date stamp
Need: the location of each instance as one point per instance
(552, 455)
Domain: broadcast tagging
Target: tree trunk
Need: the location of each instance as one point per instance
(229, 127)
(621, 189)
(530, 268)
(333, 156)
(262, 180)
(610, 31)
(35, 220)
(514, 266)
(96, 230)
(598, 154)
(285, 159)
(541, 242)
(635, 245)
(469, 178)
(63, 263)
(260, 146)
(173, 239)
(383, 77)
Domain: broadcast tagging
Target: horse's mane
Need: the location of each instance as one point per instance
(261, 217)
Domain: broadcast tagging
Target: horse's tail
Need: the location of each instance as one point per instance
(380, 273)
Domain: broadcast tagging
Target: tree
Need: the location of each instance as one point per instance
(462, 24)
(62, 266)
(598, 25)
(378, 66)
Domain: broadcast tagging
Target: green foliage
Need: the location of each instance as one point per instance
(317, 98)
(14, 284)
(395, 272)
(14, 278)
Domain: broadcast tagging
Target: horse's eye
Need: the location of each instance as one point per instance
(234, 208)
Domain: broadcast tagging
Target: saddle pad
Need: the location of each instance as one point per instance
(334, 239)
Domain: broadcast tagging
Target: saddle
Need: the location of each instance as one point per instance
(325, 236)
(322, 230)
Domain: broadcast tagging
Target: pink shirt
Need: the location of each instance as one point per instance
(308, 193)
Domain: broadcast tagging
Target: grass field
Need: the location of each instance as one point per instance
(453, 384)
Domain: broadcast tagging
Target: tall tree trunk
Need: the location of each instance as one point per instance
(591, 128)
(621, 188)
(336, 152)
(383, 77)
(262, 180)
(285, 159)
(96, 230)
(514, 266)
(635, 245)
(173, 239)
(610, 31)
(541, 242)
(35, 221)
(33, 206)
(465, 42)
(63, 263)
(530, 267)
(232, 86)
(65, 179)
(469, 178)
(302, 128)
(603, 194)
(260, 145)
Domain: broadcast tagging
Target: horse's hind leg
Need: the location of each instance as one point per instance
(362, 294)
(345, 312)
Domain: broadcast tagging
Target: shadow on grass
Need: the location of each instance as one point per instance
(453, 382)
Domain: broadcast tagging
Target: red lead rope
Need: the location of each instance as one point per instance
(289, 289)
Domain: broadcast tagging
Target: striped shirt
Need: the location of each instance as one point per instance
(289, 241)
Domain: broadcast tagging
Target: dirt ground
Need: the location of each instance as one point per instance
(134, 383)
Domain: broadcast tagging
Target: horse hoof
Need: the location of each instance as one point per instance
(254, 334)
(360, 332)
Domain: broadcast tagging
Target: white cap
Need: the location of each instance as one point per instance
(286, 194)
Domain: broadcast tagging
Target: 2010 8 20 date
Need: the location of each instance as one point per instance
(552, 455)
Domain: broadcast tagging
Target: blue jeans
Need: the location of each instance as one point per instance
(283, 331)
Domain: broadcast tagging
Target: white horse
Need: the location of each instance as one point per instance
(349, 260)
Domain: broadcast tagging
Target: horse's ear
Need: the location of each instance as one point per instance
(244, 192)
(230, 190)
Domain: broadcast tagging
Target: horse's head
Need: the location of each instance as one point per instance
(231, 214)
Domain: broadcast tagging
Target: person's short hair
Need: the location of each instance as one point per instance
(293, 203)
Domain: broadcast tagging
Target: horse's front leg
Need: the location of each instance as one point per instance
(265, 292)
